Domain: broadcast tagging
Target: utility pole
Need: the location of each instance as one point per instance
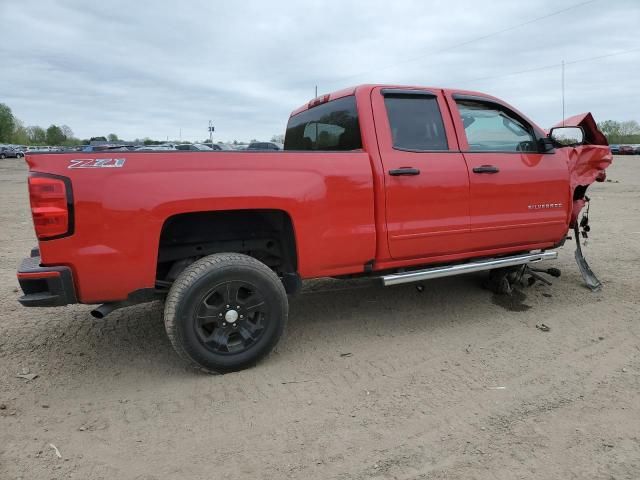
(563, 93)
(211, 130)
(316, 96)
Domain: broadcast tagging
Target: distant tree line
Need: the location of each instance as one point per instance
(13, 131)
(620, 132)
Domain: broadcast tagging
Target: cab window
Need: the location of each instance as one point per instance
(491, 128)
(330, 126)
(415, 122)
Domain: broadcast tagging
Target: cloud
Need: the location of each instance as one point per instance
(154, 68)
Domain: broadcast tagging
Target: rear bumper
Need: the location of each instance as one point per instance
(45, 286)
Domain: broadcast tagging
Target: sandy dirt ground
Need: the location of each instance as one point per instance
(369, 383)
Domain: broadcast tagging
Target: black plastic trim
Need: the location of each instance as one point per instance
(506, 151)
(417, 150)
(46, 291)
(404, 171)
(478, 98)
(368, 267)
(407, 91)
(486, 169)
(292, 283)
(142, 295)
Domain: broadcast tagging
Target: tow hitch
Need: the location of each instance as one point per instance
(581, 230)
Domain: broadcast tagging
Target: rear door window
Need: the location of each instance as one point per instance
(331, 126)
(416, 122)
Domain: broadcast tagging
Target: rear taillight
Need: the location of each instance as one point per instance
(50, 204)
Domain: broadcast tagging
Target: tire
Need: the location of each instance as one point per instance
(225, 312)
(3, 156)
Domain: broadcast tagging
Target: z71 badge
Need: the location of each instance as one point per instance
(97, 163)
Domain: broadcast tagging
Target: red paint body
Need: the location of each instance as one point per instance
(345, 208)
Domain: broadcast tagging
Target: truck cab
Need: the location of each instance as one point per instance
(457, 173)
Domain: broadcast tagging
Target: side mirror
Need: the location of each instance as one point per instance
(567, 136)
(546, 145)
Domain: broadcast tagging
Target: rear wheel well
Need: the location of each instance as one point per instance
(266, 235)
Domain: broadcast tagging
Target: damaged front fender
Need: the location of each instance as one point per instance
(587, 162)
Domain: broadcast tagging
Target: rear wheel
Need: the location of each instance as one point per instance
(225, 312)
(3, 156)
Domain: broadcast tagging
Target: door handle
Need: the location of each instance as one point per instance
(404, 171)
(486, 169)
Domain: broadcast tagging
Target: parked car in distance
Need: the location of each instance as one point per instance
(155, 148)
(218, 146)
(194, 147)
(32, 149)
(10, 152)
(265, 146)
(637, 149)
(626, 150)
(615, 149)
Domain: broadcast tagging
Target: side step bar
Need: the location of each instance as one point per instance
(459, 269)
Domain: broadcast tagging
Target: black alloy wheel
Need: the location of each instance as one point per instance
(225, 312)
(231, 318)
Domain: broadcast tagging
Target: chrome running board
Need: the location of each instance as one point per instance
(459, 269)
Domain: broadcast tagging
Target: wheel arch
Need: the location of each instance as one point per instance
(265, 234)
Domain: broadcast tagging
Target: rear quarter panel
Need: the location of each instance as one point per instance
(119, 212)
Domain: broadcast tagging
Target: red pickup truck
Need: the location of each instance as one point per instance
(402, 183)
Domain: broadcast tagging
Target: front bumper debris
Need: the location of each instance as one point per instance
(588, 276)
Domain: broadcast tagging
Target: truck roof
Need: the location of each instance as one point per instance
(369, 86)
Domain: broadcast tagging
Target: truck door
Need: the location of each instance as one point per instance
(425, 175)
(518, 194)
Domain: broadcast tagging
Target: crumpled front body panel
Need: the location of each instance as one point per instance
(587, 163)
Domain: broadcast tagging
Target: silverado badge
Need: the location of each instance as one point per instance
(538, 206)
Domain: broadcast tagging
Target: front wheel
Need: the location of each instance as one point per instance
(225, 312)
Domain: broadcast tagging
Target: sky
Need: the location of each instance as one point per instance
(164, 68)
